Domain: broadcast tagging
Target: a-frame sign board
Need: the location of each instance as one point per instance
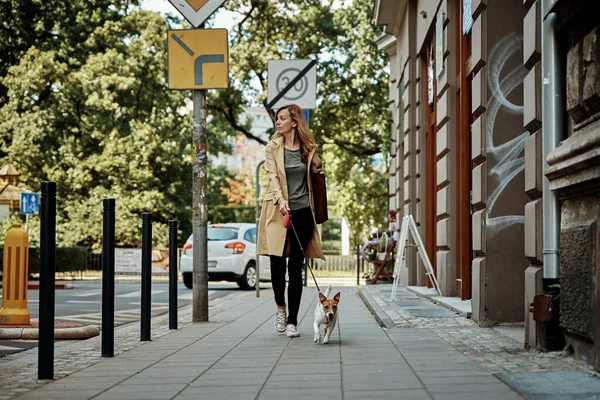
(409, 226)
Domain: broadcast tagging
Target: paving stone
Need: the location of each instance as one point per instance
(420, 312)
(567, 385)
(483, 390)
(305, 377)
(333, 393)
(476, 395)
(487, 347)
(412, 394)
(242, 357)
(59, 395)
(227, 381)
(19, 375)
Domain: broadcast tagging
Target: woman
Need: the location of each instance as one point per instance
(287, 157)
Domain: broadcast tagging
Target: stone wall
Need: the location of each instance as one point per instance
(574, 172)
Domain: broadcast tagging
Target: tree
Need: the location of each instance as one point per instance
(351, 123)
(239, 193)
(362, 200)
(241, 190)
(88, 107)
(59, 25)
(218, 178)
(84, 102)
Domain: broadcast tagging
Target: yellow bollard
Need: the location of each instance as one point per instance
(15, 277)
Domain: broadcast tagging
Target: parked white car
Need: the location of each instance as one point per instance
(231, 256)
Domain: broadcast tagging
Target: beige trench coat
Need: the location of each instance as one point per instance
(271, 233)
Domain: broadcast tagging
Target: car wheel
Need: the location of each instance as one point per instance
(248, 280)
(187, 280)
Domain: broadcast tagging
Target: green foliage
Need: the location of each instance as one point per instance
(332, 230)
(68, 259)
(224, 214)
(332, 245)
(84, 102)
(331, 235)
(217, 179)
(351, 122)
(364, 199)
(86, 105)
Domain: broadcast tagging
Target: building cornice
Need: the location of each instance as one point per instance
(387, 12)
(386, 43)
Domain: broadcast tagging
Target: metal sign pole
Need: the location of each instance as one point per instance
(192, 55)
(200, 211)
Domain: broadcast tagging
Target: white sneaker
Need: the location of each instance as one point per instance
(291, 331)
(280, 321)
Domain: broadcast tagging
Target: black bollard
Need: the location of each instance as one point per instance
(172, 274)
(146, 275)
(358, 264)
(47, 270)
(108, 279)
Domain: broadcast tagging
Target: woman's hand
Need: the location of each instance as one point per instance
(284, 208)
(316, 161)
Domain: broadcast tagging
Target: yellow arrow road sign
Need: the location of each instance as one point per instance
(198, 58)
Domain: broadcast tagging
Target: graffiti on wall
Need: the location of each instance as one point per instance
(509, 157)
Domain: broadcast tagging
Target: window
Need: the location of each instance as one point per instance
(218, 233)
(250, 235)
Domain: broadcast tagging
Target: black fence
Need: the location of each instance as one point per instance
(69, 261)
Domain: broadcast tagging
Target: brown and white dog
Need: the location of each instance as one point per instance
(326, 314)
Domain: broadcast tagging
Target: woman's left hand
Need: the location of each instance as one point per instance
(316, 161)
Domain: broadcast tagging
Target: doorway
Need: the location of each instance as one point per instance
(430, 103)
(464, 209)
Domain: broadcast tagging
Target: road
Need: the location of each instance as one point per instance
(83, 304)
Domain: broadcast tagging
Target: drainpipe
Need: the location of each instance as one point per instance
(553, 127)
(553, 95)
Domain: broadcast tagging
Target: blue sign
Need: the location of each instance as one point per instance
(30, 203)
(306, 114)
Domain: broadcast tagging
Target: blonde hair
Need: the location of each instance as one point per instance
(303, 134)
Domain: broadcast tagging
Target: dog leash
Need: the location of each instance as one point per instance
(304, 254)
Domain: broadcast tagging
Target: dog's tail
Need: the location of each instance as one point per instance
(327, 291)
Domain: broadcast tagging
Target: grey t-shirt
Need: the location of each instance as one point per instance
(295, 172)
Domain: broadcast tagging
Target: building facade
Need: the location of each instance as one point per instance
(247, 153)
(469, 150)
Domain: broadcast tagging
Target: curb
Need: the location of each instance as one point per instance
(82, 332)
(437, 299)
(36, 286)
(380, 316)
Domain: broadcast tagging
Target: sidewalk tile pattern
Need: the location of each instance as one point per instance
(486, 346)
(239, 355)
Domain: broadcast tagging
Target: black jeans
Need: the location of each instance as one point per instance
(304, 224)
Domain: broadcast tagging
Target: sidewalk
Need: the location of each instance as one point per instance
(239, 355)
(498, 350)
(18, 372)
